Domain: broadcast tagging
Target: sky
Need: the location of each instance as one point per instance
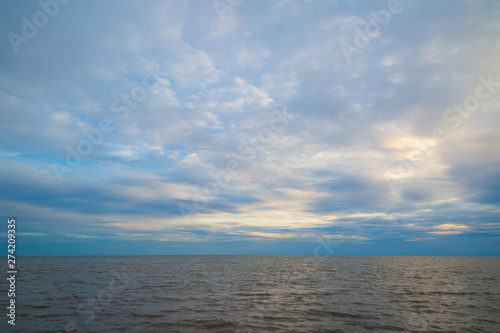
(250, 127)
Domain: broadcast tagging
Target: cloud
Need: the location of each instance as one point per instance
(451, 226)
(32, 234)
(81, 236)
(324, 173)
(420, 239)
(445, 232)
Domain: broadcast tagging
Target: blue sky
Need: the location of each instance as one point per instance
(251, 127)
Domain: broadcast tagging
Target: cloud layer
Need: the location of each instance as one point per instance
(183, 127)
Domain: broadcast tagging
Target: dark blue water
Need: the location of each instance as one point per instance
(257, 294)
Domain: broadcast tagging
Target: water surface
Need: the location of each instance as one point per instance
(258, 294)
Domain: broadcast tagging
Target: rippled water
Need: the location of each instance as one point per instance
(257, 294)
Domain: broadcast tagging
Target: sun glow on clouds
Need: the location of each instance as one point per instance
(450, 229)
(451, 226)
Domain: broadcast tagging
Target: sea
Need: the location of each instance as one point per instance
(255, 294)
